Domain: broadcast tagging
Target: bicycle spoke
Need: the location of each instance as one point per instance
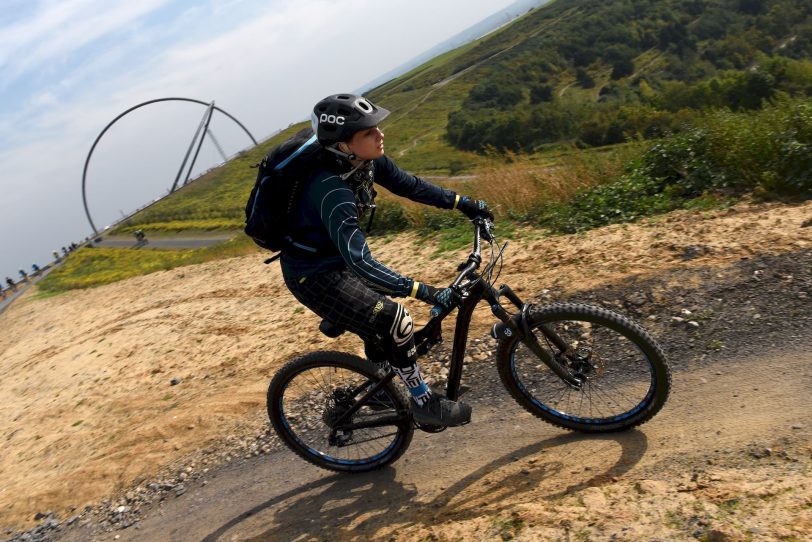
(614, 381)
(319, 396)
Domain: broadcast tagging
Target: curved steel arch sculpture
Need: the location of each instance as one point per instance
(211, 106)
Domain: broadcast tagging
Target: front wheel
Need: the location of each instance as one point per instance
(324, 406)
(622, 376)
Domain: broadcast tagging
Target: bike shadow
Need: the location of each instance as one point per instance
(356, 507)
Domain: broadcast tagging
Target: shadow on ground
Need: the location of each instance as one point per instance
(357, 506)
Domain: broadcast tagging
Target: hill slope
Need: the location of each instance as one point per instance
(85, 382)
(582, 72)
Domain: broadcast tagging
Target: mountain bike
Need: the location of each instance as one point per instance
(576, 366)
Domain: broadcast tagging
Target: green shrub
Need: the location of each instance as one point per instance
(766, 152)
(390, 217)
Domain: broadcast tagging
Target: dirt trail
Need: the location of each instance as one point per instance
(510, 474)
(90, 412)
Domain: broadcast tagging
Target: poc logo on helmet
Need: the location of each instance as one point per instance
(331, 119)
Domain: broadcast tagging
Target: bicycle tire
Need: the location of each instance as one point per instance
(593, 321)
(349, 366)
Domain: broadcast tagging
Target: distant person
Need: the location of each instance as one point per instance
(328, 265)
(10, 283)
(64, 251)
(56, 256)
(23, 275)
(35, 269)
(140, 237)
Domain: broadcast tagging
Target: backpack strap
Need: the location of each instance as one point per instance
(296, 153)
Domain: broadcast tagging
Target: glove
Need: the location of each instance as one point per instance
(474, 209)
(446, 298)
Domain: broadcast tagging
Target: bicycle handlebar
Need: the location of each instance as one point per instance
(481, 226)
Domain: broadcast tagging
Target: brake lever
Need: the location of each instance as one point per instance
(486, 227)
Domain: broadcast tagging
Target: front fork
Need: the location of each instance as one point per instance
(516, 327)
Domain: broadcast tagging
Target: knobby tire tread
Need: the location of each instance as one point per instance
(574, 311)
(325, 358)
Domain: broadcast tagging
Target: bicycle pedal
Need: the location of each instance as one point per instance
(430, 428)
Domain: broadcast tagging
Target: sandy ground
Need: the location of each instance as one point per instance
(85, 379)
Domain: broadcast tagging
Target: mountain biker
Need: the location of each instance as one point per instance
(333, 273)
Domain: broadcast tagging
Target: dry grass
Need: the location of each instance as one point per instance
(523, 186)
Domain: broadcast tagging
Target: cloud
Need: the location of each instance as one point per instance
(59, 29)
(71, 66)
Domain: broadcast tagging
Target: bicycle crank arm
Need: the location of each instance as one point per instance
(377, 422)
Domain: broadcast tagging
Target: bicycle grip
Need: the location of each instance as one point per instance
(436, 311)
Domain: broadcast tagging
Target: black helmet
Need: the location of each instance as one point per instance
(336, 118)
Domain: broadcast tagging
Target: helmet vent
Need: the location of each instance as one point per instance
(363, 105)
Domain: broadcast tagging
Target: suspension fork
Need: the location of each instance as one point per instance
(516, 327)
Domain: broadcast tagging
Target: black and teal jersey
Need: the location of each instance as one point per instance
(327, 218)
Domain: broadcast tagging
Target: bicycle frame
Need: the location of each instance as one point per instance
(511, 325)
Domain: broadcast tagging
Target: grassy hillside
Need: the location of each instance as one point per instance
(215, 201)
(582, 113)
(574, 73)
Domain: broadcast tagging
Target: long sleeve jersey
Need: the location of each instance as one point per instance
(327, 216)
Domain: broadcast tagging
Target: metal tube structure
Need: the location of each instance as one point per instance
(189, 150)
(200, 143)
(130, 110)
(217, 144)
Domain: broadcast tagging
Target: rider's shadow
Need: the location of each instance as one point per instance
(339, 506)
(355, 507)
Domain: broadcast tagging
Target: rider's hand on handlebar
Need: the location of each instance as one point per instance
(447, 298)
(474, 209)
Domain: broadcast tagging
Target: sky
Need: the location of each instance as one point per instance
(68, 67)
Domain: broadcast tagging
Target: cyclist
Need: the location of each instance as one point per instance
(332, 271)
(10, 283)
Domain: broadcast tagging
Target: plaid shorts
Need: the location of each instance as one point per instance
(343, 299)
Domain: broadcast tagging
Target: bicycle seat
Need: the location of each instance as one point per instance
(330, 329)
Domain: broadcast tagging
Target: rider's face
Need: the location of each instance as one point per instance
(367, 144)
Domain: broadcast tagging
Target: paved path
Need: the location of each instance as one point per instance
(23, 286)
(164, 242)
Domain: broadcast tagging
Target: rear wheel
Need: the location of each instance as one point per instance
(624, 377)
(308, 400)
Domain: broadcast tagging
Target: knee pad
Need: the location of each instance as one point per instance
(402, 330)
